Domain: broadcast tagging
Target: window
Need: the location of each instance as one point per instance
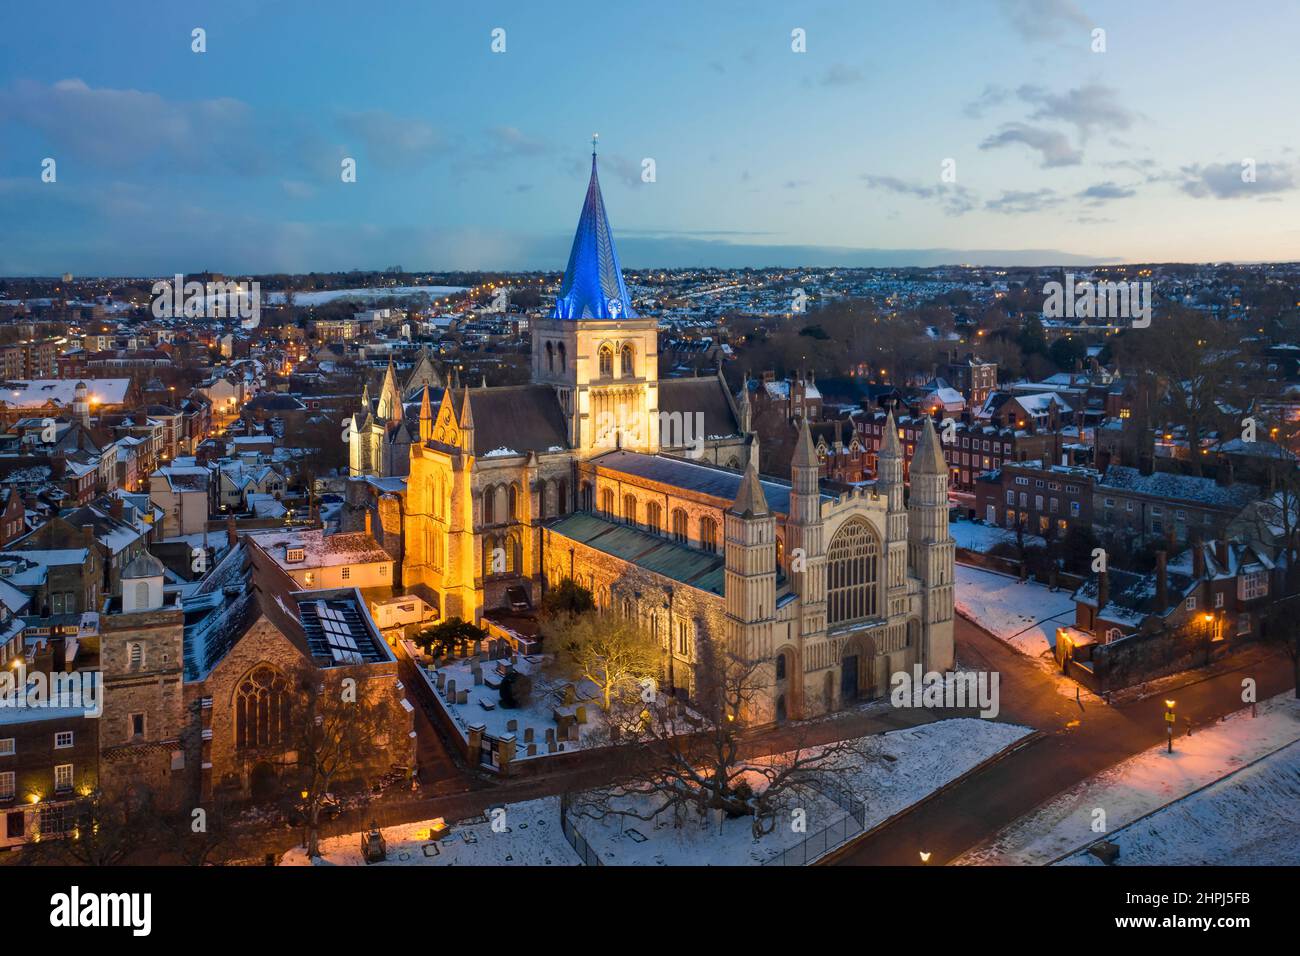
(679, 526)
(780, 667)
(63, 740)
(345, 573)
(607, 501)
(137, 725)
(1249, 586)
(709, 535)
(7, 747)
(626, 362)
(1113, 634)
(8, 782)
(1011, 497)
(1110, 502)
(654, 517)
(1191, 604)
(135, 655)
(562, 497)
(550, 357)
(606, 362)
(489, 505)
(1074, 509)
(683, 640)
(561, 353)
(851, 567)
(629, 509)
(262, 707)
(512, 503)
(295, 554)
(62, 777)
(1218, 599)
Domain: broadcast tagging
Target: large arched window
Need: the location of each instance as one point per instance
(654, 517)
(851, 573)
(629, 509)
(262, 707)
(562, 497)
(562, 354)
(512, 502)
(606, 362)
(489, 505)
(586, 502)
(607, 501)
(626, 362)
(679, 526)
(709, 535)
(550, 357)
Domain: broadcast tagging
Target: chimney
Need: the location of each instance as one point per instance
(1162, 580)
(1103, 459)
(368, 532)
(115, 508)
(1221, 552)
(1198, 560)
(88, 535)
(232, 536)
(58, 466)
(1103, 590)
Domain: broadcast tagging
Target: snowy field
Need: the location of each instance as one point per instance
(982, 538)
(1149, 781)
(531, 837)
(1025, 616)
(1251, 818)
(897, 770)
(394, 292)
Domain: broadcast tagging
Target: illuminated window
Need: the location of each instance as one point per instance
(626, 362)
(851, 573)
(606, 362)
(679, 526)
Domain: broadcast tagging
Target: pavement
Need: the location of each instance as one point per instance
(1080, 739)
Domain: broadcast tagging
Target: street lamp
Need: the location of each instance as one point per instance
(1169, 723)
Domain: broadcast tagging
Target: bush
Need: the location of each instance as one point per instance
(567, 597)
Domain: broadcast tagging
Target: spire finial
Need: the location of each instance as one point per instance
(594, 138)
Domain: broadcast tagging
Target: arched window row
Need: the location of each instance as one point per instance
(626, 360)
(502, 554)
(557, 359)
(501, 503)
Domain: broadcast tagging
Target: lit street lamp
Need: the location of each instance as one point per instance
(1169, 723)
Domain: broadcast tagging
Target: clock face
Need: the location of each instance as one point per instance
(614, 307)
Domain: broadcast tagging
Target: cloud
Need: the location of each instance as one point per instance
(841, 75)
(1086, 108)
(513, 141)
(990, 97)
(121, 128)
(1039, 20)
(1104, 192)
(1019, 202)
(955, 199)
(1054, 147)
(393, 142)
(1227, 180)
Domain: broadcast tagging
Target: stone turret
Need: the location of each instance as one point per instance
(930, 546)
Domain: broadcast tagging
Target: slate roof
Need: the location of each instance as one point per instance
(722, 484)
(698, 569)
(521, 418)
(707, 395)
(1178, 488)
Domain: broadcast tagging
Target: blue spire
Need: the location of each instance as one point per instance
(593, 282)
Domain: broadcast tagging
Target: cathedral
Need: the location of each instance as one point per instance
(649, 492)
(379, 435)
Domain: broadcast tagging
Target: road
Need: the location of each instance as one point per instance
(1079, 741)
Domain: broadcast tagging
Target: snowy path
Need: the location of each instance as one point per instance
(1024, 615)
(1142, 784)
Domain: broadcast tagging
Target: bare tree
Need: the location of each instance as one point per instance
(611, 650)
(337, 726)
(694, 758)
(97, 829)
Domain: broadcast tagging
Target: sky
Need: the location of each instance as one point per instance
(914, 132)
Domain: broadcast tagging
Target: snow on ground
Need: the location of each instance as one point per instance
(1024, 615)
(532, 837)
(981, 538)
(1250, 818)
(483, 704)
(383, 292)
(897, 770)
(1145, 783)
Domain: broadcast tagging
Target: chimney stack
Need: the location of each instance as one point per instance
(232, 536)
(1198, 559)
(1162, 581)
(1103, 590)
(1221, 552)
(368, 531)
(115, 507)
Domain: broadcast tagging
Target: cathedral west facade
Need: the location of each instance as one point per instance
(648, 492)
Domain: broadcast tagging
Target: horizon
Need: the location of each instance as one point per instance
(991, 135)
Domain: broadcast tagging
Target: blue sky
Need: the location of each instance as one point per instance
(170, 160)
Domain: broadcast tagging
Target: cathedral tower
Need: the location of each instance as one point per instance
(601, 357)
(930, 547)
